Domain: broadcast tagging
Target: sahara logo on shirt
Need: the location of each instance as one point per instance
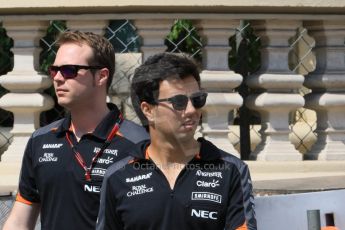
(51, 146)
(138, 178)
(48, 157)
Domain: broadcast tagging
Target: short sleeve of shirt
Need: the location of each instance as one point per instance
(27, 182)
(108, 218)
(235, 210)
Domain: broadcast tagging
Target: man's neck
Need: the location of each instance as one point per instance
(172, 158)
(86, 120)
(165, 152)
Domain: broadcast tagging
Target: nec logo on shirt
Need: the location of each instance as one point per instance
(204, 214)
(92, 188)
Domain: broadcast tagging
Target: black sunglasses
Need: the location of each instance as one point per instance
(68, 71)
(180, 102)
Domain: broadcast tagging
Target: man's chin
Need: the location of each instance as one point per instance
(186, 135)
(64, 103)
(188, 129)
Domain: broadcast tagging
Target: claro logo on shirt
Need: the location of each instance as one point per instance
(208, 184)
(108, 160)
(204, 214)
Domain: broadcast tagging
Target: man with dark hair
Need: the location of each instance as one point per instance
(64, 163)
(174, 181)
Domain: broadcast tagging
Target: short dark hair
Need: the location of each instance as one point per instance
(103, 50)
(159, 67)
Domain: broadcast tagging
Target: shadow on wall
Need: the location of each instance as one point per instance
(286, 212)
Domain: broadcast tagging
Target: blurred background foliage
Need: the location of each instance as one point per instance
(184, 38)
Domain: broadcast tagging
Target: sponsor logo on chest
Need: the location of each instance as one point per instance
(51, 146)
(209, 196)
(139, 178)
(106, 151)
(98, 172)
(92, 188)
(209, 174)
(204, 214)
(139, 189)
(108, 160)
(208, 184)
(48, 157)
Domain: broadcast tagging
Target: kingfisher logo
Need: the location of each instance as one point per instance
(51, 146)
(209, 174)
(113, 152)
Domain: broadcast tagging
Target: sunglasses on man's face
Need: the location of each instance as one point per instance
(68, 71)
(180, 102)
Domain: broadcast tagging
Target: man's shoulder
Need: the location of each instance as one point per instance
(133, 132)
(228, 157)
(48, 128)
(118, 169)
(214, 151)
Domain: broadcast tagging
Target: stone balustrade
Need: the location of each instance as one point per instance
(276, 84)
(328, 89)
(273, 89)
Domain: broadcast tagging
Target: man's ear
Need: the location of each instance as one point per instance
(103, 77)
(147, 110)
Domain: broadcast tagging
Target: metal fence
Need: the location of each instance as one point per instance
(183, 38)
(6, 203)
(5, 208)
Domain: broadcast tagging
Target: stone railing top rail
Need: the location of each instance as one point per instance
(16, 7)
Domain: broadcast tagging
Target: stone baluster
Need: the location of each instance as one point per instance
(328, 89)
(95, 26)
(276, 87)
(25, 84)
(153, 33)
(219, 81)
